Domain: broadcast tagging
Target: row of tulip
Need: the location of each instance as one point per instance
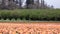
(6, 28)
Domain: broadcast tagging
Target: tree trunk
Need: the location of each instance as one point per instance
(20, 3)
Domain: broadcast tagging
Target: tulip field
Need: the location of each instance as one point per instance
(31, 21)
(43, 27)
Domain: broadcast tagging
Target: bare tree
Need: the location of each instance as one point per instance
(12, 4)
(3, 4)
(20, 3)
(42, 3)
(29, 3)
(37, 4)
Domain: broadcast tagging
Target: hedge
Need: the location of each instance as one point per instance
(31, 14)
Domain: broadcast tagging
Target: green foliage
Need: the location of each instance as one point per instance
(31, 14)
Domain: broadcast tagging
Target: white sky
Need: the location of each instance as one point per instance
(55, 3)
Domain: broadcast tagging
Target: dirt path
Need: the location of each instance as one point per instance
(30, 28)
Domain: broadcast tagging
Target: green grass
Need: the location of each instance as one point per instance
(31, 14)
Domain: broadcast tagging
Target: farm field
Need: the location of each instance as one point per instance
(30, 27)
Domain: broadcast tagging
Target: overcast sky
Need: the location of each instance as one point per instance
(55, 3)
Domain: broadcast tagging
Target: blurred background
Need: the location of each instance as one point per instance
(29, 4)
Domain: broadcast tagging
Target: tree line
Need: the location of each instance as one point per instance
(30, 4)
